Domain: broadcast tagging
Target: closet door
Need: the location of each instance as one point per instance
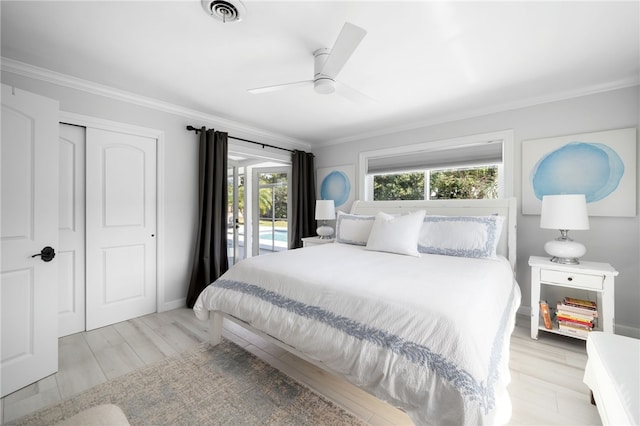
(71, 259)
(120, 227)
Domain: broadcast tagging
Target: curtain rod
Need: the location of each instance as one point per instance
(263, 145)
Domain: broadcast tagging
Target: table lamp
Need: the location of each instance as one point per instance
(564, 212)
(325, 210)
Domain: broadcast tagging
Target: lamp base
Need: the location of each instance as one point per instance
(324, 232)
(565, 251)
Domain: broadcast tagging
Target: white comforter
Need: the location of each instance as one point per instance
(429, 335)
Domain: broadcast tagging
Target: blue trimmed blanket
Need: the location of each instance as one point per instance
(427, 334)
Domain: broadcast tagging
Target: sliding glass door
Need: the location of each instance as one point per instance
(271, 210)
(235, 214)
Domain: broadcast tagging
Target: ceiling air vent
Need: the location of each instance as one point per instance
(224, 10)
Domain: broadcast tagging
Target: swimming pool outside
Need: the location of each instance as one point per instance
(269, 241)
(275, 234)
(275, 239)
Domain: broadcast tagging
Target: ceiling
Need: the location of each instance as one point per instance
(421, 62)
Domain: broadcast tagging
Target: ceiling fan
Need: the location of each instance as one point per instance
(327, 64)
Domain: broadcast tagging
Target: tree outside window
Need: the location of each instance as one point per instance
(458, 183)
(399, 186)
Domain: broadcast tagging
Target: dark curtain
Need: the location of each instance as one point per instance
(210, 259)
(303, 198)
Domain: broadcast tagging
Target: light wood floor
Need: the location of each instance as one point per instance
(546, 386)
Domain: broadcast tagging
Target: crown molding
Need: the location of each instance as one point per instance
(53, 77)
(525, 103)
(43, 74)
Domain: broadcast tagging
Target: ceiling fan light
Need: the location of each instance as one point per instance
(324, 86)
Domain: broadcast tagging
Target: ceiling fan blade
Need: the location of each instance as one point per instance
(348, 40)
(353, 95)
(277, 87)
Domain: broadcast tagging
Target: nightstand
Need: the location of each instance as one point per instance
(314, 241)
(583, 281)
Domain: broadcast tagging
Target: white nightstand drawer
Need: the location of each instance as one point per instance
(573, 279)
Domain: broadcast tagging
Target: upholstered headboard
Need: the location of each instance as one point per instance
(504, 207)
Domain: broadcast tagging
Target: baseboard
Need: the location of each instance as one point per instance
(627, 330)
(174, 304)
(524, 311)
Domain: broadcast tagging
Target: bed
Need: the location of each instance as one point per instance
(415, 303)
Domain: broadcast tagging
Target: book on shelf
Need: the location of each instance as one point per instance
(575, 323)
(569, 320)
(576, 331)
(577, 310)
(545, 314)
(576, 316)
(580, 303)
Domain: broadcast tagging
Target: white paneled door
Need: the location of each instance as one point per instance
(29, 209)
(120, 227)
(71, 258)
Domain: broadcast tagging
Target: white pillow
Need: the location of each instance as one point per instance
(466, 236)
(353, 228)
(396, 234)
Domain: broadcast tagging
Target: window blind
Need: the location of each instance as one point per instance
(476, 154)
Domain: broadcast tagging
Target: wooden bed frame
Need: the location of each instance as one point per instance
(506, 247)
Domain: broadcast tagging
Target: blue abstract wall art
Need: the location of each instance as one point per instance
(601, 165)
(593, 169)
(335, 186)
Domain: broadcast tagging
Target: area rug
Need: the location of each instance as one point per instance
(221, 385)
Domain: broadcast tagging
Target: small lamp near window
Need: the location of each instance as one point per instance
(325, 210)
(564, 212)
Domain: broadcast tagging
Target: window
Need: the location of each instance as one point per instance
(467, 183)
(471, 167)
(400, 186)
(438, 184)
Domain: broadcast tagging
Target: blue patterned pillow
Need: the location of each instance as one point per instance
(353, 228)
(465, 236)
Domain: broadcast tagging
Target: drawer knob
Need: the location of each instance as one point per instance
(569, 278)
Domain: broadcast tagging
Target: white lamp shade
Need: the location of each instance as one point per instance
(566, 211)
(325, 210)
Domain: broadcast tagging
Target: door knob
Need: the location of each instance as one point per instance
(46, 254)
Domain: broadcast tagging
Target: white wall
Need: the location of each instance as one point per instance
(180, 179)
(180, 168)
(612, 240)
